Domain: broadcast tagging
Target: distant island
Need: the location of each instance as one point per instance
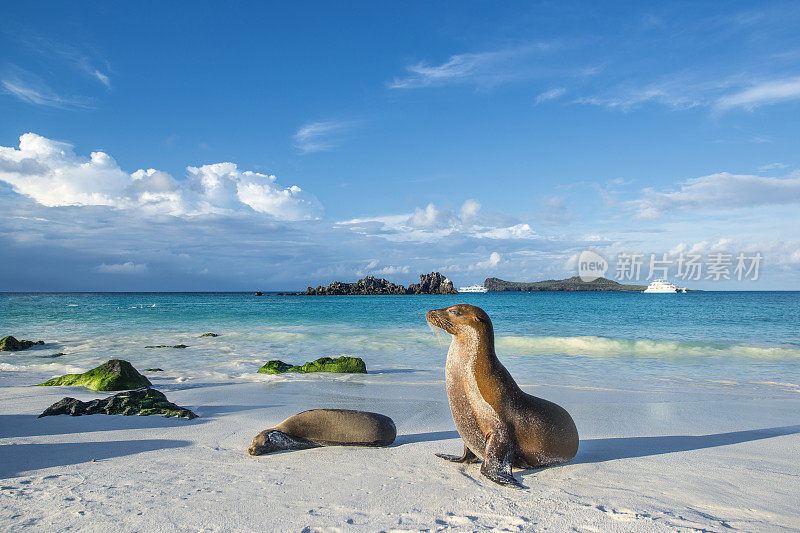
(570, 284)
(433, 283)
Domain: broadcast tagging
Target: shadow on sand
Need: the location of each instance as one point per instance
(425, 437)
(30, 425)
(19, 458)
(600, 450)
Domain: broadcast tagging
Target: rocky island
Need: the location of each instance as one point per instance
(433, 283)
(570, 284)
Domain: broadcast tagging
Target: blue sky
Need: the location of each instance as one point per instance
(200, 146)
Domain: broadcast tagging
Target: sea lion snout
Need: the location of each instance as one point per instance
(438, 318)
(261, 444)
(458, 317)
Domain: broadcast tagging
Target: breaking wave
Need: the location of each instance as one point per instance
(610, 347)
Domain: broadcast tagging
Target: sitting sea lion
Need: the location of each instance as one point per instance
(325, 427)
(499, 423)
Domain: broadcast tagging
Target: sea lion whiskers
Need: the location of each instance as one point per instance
(438, 333)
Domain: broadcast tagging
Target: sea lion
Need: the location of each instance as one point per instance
(499, 423)
(325, 427)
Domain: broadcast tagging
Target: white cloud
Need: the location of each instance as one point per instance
(482, 68)
(223, 185)
(719, 191)
(320, 136)
(52, 174)
(389, 270)
(431, 224)
(552, 94)
(65, 54)
(493, 261)
(30, 89)
(469, 209)
(518, 231)
(769, 92)
(676, 97)
(428, 217)
(123, 268)
(772, 166)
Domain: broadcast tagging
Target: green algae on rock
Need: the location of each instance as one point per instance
(210, 335)
(343, 365)
(115, 374)
(142, 402)
(11, 344)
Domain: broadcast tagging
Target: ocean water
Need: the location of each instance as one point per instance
(743, 342)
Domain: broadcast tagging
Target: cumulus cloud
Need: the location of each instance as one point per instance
(128, 267)
(469, 209)
(493, 260)
(50, 173)
(719, 191)
(428, 217)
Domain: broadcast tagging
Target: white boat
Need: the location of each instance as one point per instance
(663, 286)
(473, 288)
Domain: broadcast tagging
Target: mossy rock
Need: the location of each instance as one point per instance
(343, 365)
(115, 374)
(10, 344)
(142, 402)
(210, 335)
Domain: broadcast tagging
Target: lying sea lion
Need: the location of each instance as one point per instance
(499, 423)
(325, 427)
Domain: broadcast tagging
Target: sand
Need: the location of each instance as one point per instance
(690, 460)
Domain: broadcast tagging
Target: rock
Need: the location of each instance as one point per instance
(343, 364)
(153, 369)
(210, 335)
(570, 284)
(368, 285)
(10, 344)
(143, 402)
(433, 283)
(277, 367)
(259, 293)
(59, 354)
(165, 346)
(115, 374)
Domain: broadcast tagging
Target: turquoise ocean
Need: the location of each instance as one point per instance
(720, 342)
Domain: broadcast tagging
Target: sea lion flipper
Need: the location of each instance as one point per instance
(498, 460)
(467, 458)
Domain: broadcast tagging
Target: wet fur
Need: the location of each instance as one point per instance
(499, 423)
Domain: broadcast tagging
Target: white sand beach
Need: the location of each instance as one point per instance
(690, 460)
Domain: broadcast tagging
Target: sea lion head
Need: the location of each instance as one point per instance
(460, 318)
(262, 444)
